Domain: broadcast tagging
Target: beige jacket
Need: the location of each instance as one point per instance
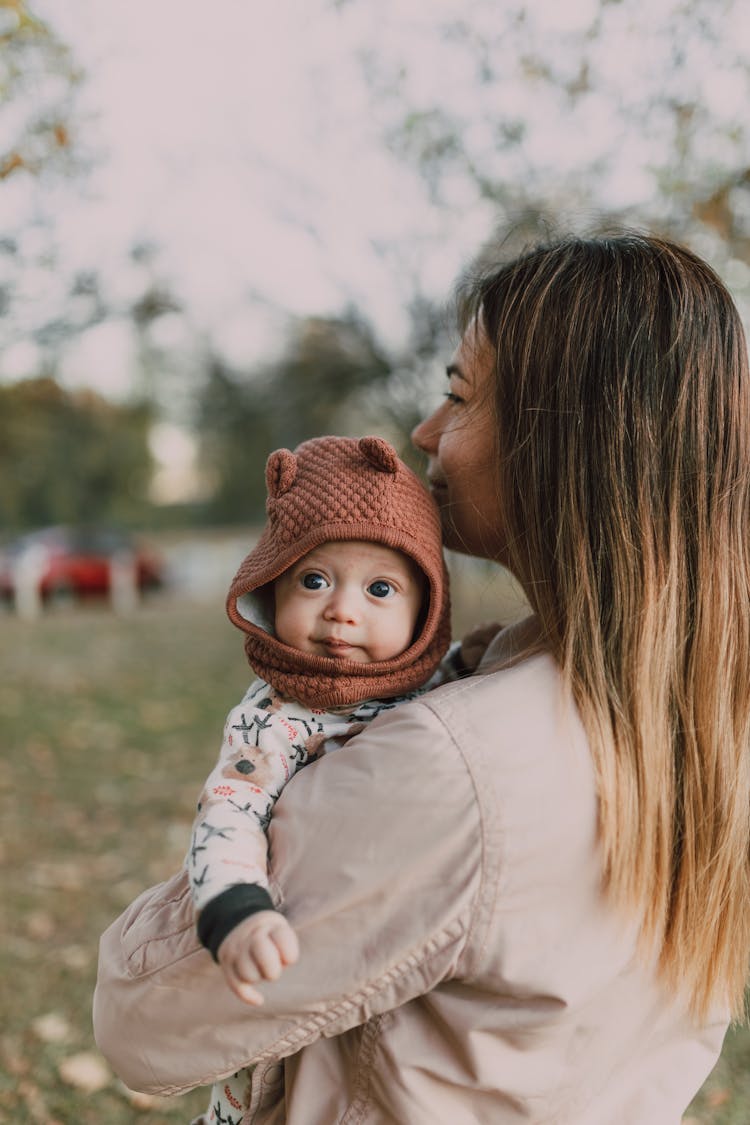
(458, 963)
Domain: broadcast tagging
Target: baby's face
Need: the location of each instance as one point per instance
(359, 601)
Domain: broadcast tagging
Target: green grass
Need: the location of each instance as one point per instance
(109, 727)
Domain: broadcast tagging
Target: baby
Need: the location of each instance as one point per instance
(345, 604)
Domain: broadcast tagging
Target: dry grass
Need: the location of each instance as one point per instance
(109, 727)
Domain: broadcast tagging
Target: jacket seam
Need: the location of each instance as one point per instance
(370, 1035)
(476, 922)
(138, 952)
(135, 954)
(313, 1026)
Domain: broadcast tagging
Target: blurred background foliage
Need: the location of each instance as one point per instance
(38, 78)
(63, 453)
(471, 141)
(315, 387)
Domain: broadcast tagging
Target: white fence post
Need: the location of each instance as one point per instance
(27, 576)
(123, 581)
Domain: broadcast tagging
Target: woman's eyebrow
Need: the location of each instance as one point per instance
(454, 369)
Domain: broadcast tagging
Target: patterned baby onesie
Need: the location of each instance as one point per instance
(267, 739)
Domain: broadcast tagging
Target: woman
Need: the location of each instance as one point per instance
(554, 927)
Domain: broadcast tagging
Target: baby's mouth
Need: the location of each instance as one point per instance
(335, 644)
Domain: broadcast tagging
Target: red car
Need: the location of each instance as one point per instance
(67, 562)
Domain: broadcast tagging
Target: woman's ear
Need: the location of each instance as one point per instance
(281, 472)
(380, 453)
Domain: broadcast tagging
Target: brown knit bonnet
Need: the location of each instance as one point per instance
(336, 488)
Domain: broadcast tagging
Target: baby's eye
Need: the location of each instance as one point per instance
(380, 588)
(314, 581)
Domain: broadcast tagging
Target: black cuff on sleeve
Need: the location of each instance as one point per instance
(227, 910)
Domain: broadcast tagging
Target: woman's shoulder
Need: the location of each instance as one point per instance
(526, 690)
(518, 681)
(516, 727)
(516, 695)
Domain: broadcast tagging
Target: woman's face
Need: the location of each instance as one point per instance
(461, 445)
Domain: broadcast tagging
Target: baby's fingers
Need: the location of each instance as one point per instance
(245, 992)
(258, 948)
(241, 974)
(286, 942)
(267, 956)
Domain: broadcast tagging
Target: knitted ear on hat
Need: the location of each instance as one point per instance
(281, 472)
(379, 453)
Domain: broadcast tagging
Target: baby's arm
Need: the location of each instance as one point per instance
(475, 644)
(227, 862)
(464, 656)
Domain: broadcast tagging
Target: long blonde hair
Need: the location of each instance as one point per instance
(623, 410)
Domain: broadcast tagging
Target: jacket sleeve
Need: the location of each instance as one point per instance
(260, 751)
(375, 859)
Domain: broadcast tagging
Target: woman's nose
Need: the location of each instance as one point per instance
(425, 435)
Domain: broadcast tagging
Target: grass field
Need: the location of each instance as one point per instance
(108, 727)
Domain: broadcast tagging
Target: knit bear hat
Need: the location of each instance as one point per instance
(329, 489)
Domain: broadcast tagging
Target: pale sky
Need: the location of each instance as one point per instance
(240, 139)
(247, 142)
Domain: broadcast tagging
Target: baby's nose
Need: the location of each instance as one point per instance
(341, 606)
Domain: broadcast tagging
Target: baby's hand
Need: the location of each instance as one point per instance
(259, 948)
(474, 644)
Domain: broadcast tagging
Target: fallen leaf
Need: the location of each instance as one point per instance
(40, 926)
(52, 1028)
(15, 1062)
(65, 875)
(86, 1071)
(35, 1103)
(75, 957)
(719, 1096)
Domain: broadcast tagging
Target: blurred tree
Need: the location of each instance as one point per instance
(70, 457)
(42, 147)
(161, 372)
(38, 78)
(394, 405)
(326, 366)
(604, 109)
(327, 363)
(563, 117)
(233, 429)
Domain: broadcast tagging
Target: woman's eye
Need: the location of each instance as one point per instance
(314, 581)
(380, 588)
(453, 398)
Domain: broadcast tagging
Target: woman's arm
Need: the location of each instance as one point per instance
(376, 861)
